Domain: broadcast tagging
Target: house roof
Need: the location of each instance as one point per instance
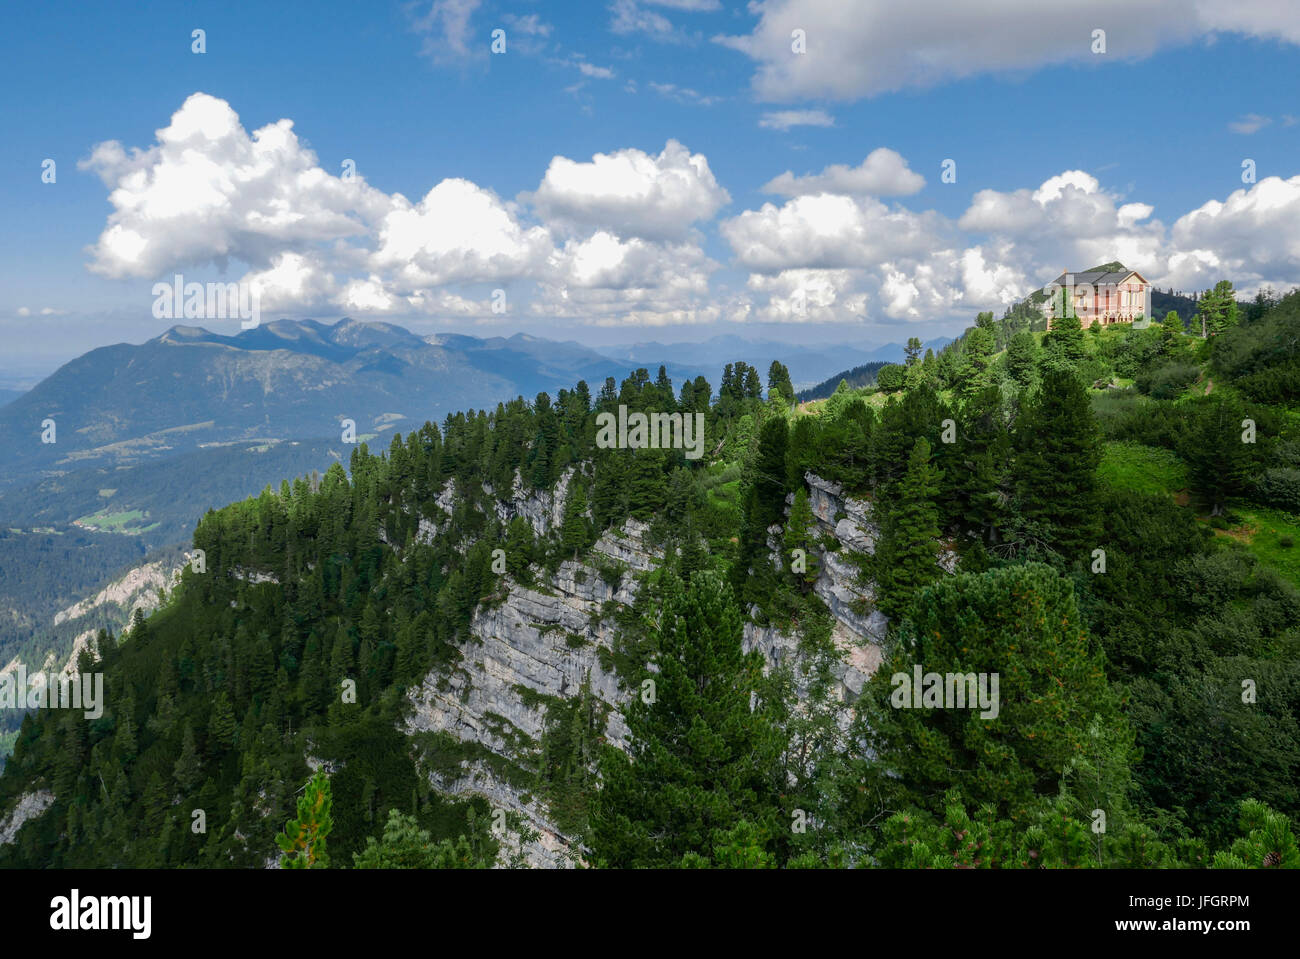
(1097, 277)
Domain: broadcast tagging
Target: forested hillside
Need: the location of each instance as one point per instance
(698, 654)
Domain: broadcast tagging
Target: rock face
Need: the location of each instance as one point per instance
(29, 806)
(141, 588)
(542, 642)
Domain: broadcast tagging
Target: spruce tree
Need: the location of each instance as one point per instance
(907, 559)
(800, 543)
(1057, 449)
(699, 759)
(1020, 624)
(575, 531)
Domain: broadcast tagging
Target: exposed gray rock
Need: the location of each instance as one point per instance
(543, 642)
(30, 805)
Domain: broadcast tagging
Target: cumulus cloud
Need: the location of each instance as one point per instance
(1252, 237)
(620, 238)
(827, 231)
(459, 232)
(1069, 221)
(882, 173)
(208, 192)
(631, 193)
(875, 46)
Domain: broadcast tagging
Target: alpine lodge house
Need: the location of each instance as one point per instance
(1099, 296)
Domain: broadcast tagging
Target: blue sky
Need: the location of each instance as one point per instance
(1063, 155)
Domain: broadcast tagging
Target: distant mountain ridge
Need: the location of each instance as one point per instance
(190, 388)
(808, 364)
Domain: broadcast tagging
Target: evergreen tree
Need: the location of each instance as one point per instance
(1020, 624)
(1065, 340)
(221, 724)
(799, 536)
(778, 382)
(699, 758)
(1215, 450)
(303, 841)
(908, 556)
(575, 531)
(1022, 358)
(1171, 333)
(188, 769)
(404, 845)
(1057, 449)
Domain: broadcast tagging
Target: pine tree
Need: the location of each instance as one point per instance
(575, 531)
(1171, 333)
(778, 382)
(800, 545)
(1065, 340)
(1022, 358)
(1214, 449)
(699, 759)
(1057, 449)
(979, 477)
(908, 555)
(1020, 624)
(221, 724)
(188, 770)
(303, 841)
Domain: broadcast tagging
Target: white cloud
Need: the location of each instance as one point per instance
(882, 173)
(459, 232)
(591, 70)
(875, 46)
(1252, 238)
(1248, 124)
(530, 25)
(785, 119)
(208, 192)
(292, 281)
(619, 238)
(827, 231)
(446, 31)
(630, 17)
(809, 296)
(630, 193)
(682, 94)
(690, 6)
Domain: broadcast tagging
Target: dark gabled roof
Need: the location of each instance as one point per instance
(1093, 277)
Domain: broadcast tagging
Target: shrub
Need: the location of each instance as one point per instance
(1168, 381)
(1278, 487)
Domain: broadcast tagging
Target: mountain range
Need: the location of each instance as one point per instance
(148, 437)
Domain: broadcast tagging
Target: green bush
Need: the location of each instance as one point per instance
(1278, 487)
(1168, 381)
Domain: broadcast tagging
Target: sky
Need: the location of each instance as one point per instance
(808, 171)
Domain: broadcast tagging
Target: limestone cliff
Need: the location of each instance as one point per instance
(541, 643)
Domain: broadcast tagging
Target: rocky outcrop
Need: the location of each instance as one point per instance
(141, 588)
(544, 509)
(30, 805)
(540, 644)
